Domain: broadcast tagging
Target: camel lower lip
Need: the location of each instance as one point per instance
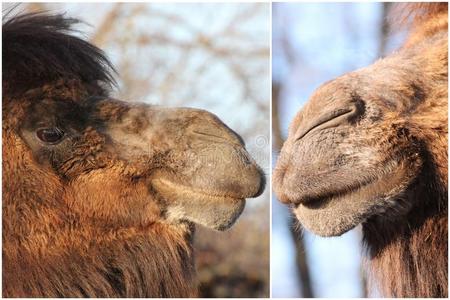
(218, 212)
(333, 215)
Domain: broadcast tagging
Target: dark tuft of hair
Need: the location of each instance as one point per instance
(39, 48)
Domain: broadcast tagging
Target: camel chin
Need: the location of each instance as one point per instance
(184, 203)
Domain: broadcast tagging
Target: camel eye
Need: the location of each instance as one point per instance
(50, 135)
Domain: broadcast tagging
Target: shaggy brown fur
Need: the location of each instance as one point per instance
(100, 196)
(370, 148)
(409, 256)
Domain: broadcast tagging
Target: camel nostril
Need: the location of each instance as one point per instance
(360, 109)
(214, 133)
(208, 127)
(330, 119)
(213, 137)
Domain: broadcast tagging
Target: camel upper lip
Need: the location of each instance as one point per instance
(327, 120)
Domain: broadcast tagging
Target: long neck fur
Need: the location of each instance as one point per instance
(408, 255)
(142, 266)
(47, 253)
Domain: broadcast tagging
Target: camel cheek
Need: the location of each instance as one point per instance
(109, 199)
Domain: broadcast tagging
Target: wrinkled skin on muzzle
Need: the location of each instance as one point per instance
(204, 172)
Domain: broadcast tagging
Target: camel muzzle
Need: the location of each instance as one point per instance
(203, 171)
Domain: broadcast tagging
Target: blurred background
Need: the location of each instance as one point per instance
(313, 43)
(210, 56)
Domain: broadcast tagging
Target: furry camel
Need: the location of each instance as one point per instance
(100, 196)
(370, 148)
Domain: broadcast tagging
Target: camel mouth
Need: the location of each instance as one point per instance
(335, 213)
(184, 203)
(317, 200)
(290, 191)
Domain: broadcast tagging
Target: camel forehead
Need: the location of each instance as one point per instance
(53, 112)
(68, 103)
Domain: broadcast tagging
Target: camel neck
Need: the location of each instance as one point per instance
(143, 265)
(408, 257)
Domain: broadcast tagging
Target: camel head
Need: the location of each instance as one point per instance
(362, 145)
(136, 163)
(71, 152)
